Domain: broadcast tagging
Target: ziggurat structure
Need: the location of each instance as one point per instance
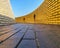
(6, 14)
(47, 13)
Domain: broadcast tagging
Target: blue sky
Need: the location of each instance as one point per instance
(24, 7)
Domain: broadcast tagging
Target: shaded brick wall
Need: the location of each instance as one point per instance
(6, 14)
(5, 8)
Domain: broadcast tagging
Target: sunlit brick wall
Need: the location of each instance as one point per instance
(50, 11)
(47, 13)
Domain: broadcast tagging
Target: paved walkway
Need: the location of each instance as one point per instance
(30, 36)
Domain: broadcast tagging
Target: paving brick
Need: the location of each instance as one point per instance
(13, 41)
(27, 44)
(29, 34)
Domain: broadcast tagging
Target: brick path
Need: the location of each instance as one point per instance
(30, 36)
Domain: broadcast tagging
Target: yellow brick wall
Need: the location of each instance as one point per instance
(47, 13)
